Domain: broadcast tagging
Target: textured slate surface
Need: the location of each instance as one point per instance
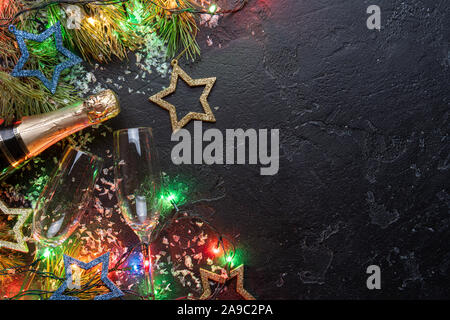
(364, 168)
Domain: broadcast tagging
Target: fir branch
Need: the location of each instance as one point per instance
(177, 30)
(104, 32)
(23, 97)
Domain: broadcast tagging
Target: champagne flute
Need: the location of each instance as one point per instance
(65, 197)
(63, 200)
(139, 190)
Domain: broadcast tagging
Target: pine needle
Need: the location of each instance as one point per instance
(177, 30)
(104, 32)
(9, 53)
(23, 97)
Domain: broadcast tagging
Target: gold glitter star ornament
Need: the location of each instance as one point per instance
(235, 273)
(177, 72)
(22, 216)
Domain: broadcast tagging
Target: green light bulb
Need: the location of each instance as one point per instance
(46, 253)
(212, 8)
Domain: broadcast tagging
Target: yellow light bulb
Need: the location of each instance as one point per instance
(91, 20)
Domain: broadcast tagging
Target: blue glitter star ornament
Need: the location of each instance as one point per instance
(104, 260)
(22, 35)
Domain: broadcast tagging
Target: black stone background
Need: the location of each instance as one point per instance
(364, 149)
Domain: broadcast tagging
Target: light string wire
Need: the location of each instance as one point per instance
(53, 2)
(96, 282)
(192, 10)
(191, 217)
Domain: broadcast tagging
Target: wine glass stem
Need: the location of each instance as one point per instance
(148, 277)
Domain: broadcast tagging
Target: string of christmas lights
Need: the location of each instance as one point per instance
(109, 29)
(212, 8)
(99, 30)
(94, 282)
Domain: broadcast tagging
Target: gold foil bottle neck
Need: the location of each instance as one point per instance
(102, 106)
(41, 131)
(36, 133)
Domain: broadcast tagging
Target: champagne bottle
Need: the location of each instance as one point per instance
(32, 135)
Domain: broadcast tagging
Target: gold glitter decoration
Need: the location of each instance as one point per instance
(23, 215)
(237, 272)
(178, 72)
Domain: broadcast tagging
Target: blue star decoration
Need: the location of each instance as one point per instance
(104, 260)
(56, 30)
